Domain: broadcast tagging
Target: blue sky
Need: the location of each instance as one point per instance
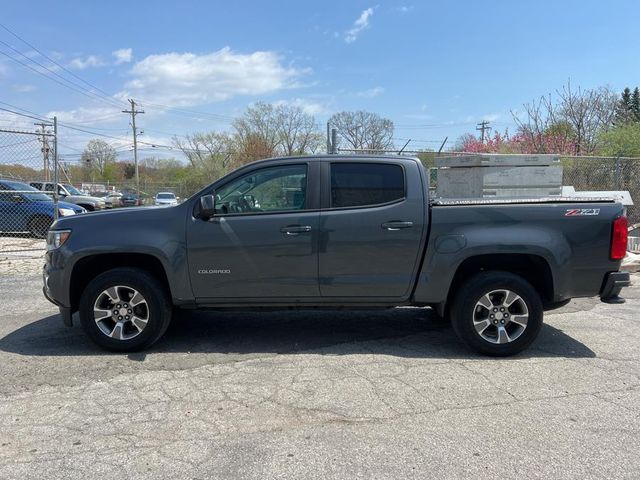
(434, 68)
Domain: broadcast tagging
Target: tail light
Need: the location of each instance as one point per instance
(619, 238)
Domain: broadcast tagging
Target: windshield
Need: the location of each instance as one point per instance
(166, 196)
(28, 192)
(72, 190)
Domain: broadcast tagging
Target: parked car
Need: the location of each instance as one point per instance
(115, 198)
(336, 232)
(165, 199)
(25, 209)
(130, 199)
(71, 194)
(111, 199)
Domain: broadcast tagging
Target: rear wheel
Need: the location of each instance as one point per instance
(125, 309)
(497, 313)
(39, 226)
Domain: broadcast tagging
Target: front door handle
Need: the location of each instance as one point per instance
(295, 229)
(396, 225)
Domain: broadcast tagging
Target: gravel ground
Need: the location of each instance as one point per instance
(317, 395)
(21, 255)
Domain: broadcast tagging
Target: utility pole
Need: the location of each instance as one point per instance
(482, 126)
(45, 148)
(334, 141)
(133, 112)
(328, 139)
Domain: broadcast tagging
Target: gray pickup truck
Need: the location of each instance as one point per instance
(335, 232)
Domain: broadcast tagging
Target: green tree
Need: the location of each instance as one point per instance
(129, 171)
(97, 155)
(623, 108)
(635, 105)
(623, 141)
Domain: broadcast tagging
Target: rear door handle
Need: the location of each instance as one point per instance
(396, 225)
(295, 229)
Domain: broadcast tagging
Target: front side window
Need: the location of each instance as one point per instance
(359, 184)
(271, 189)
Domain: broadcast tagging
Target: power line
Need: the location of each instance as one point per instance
(20, 114)
(195, 113)
(55, 62)
(26, 65)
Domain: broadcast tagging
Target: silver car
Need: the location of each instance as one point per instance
(164, 199)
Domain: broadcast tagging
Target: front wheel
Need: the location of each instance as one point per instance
(125, 309)
(497, 313)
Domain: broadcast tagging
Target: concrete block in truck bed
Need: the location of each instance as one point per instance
(496, 160)
(474, 182)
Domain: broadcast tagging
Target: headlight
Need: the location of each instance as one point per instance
(57, 238)
(65, 212)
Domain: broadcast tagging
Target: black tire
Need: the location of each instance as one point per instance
(39, 226)
(158, 308)
(464, 308)
(88, 208)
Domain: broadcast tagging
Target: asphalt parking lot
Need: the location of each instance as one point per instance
(317, 395)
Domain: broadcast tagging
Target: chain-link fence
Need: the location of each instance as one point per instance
(605, 173)
(26, 213)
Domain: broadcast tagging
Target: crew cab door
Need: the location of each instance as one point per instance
(372, 228)
(262, 242)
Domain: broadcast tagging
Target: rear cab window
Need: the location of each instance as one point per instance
(360, 184)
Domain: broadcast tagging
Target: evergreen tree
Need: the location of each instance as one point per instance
(626, 98)
(635, 105)
(623, 108)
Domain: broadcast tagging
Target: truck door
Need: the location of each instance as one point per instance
(263, 241)
(372, 227)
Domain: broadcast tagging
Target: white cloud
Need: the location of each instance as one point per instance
(91, 61)
(123, 55)
(372, 92)
(23, 88)
(11, 120)
(93, 115)
(186, 79)
(361, 23)
(405, 8)
(491, 117)
(308, 107)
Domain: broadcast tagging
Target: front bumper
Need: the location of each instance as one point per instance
(65, 312)
(614, 282)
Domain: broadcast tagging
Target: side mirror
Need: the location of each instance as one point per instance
(207, 207)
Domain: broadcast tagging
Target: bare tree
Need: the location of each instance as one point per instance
(363, 130)
(576, 119)
(298, 131)
(589, 112)
(98, 154)
(538, 116)
(257, 132)
(211, 152)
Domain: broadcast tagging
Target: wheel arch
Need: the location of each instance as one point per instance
(535, 269)
(89, 267)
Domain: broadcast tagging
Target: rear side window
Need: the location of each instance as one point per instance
(359, 184)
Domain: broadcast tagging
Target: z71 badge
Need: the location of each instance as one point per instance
(582, 212)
